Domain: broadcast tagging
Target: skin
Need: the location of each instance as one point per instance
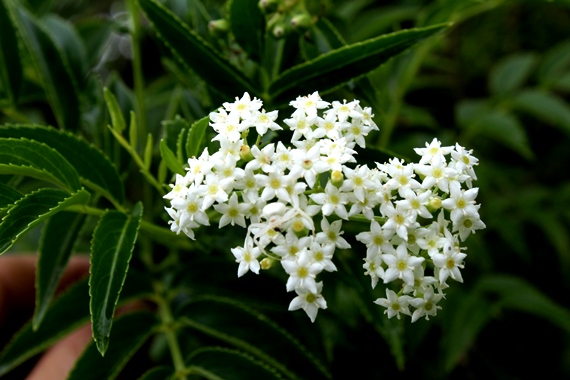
(17, 292)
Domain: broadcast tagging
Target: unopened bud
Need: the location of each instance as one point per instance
(434, 204)
(245, 153)
(301, 22)
(268, 6)
(218, 28)
(336, 178)
(280, 30)
(266, 263)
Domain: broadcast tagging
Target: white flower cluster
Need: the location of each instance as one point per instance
(293, 200)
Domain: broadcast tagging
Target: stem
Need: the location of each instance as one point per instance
(169, 330)
(138, 77)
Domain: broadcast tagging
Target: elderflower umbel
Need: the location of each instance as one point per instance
(294, 199)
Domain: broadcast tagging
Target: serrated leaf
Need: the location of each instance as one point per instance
(216, 363)
(8, 196)
(195, 142)
(95, 170)
(34, 208)
(170, 159)
(518, 294)
(10, 59)
(502, 127)
(247, 25)
(34, 159)
(350, 62)
(510, 74)
(58, 238)
(68, 311)
(544, 106)
(53, 69)
(195, 53)
(131, 331)
(253, 332)
(157, 373)
(111, 250)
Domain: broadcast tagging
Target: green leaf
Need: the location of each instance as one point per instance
(339, 66)
(68, 311)
(554, 64)
(34, 159)
(321, 38)
(253, 332)
(33, 209)
(498, 125)
(510, 74)
(469, 317)
(53, 69)
(247, 24)
(70, 45)
(117, 118)
(111, 250)
(157, 373)
(195, 142)
(131, 331)
(546, 107)
(8, 196)
(10, 60)
(95, 170)
(221, 363)
(518, 294)
(195, 53)
(170, 159)
(58, 237)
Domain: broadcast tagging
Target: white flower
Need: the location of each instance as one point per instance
(374, 268)
(358, 181)
(264, 121)
(332, 200)
(243, 107)
(302, 272)
(467, 224)
(401, 265)
(426, 305)
(308, 164)
(309, 301)
(301, 125)
(394, 305)
(433, 151)
(461, 203)
(377, 240)
(262, 158)
(232, 212)
(449, 262)
(323, 254)
(247, 257)
(309, 104)
(331, 234)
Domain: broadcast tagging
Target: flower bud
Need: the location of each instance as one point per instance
(268, 6)
(336, 178)
(266, 263)
(245, 153)
(280, 30)
(301, 22)
(434, 204)
(218, 28)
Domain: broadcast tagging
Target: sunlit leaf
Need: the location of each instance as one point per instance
(130, 331)
(339, 66)
(94, 168)
(58, 239)
(195, 142)
(170, 159)
(111, 249)
(34, 159)
(34, 208)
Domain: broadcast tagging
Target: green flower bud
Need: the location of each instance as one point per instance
(301, 22)
(218, 28)
(336, 178)
(266, 263)
(245, 153)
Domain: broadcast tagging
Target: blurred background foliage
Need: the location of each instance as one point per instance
(497, 82)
